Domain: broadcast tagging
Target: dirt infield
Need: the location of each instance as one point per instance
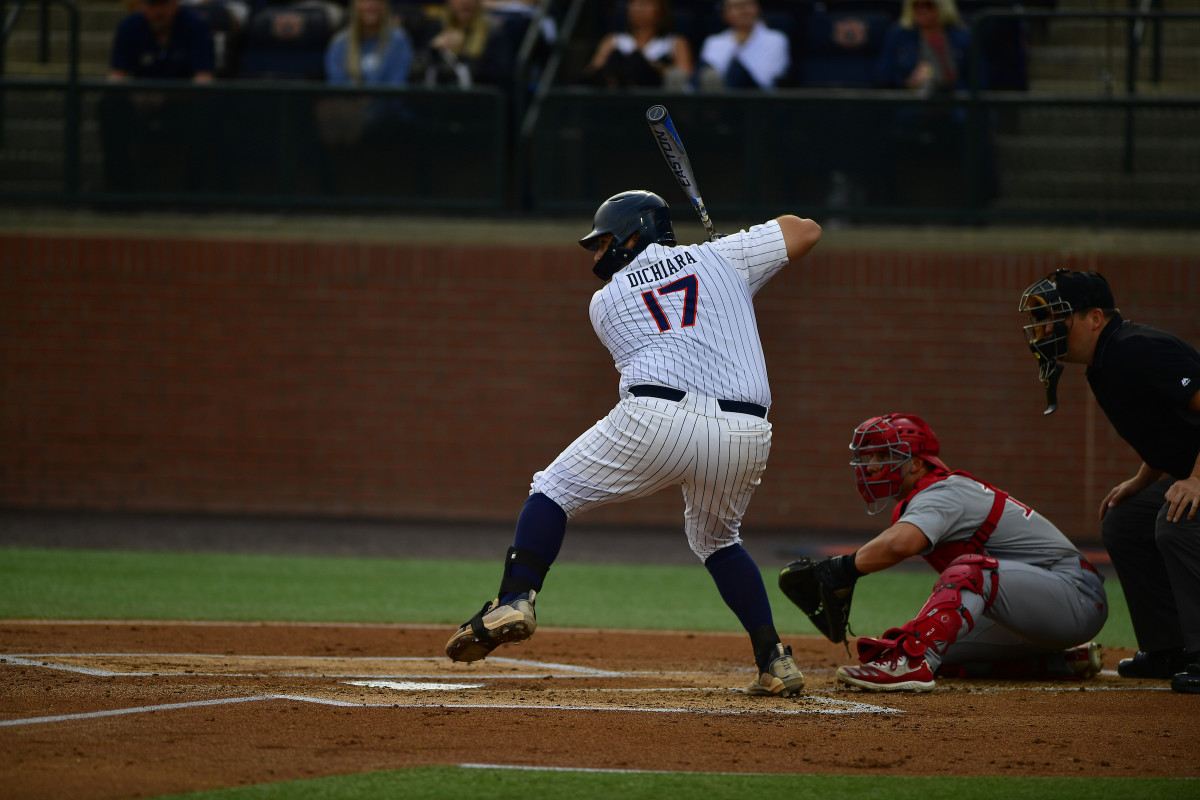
(117, 710)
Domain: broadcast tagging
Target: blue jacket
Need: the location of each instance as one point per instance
(189, 50)
(902, 50)
(391, 70)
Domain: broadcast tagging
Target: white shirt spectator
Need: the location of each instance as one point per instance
(765, 54)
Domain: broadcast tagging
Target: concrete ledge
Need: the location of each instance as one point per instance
(408, 228)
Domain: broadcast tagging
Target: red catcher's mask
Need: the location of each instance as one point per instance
(883, 448)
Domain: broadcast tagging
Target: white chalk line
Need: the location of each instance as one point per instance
(539, 667)
(535, 768)
(846, 708)
(430, 683)
(852, 708)
(170, 707)
(418, 626)
(415, 686)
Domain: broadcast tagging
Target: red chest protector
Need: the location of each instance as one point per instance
(941, 556)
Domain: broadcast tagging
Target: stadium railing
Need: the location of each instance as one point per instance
(1098, 156)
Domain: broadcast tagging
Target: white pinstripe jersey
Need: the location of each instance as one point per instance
(683, 317)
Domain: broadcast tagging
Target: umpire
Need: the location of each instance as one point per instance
(1148, 383)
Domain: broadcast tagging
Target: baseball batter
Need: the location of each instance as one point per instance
(1013, 597)
(679, 321)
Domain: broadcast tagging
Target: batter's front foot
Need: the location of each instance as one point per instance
(494, 625)
(781, 678)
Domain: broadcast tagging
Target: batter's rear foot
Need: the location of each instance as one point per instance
(494, 625)
(781, 678)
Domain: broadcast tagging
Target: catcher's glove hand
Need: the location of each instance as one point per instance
(823, 591)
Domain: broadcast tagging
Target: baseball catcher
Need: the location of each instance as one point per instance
(1013, 597)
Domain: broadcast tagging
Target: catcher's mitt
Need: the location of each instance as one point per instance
(823, 591)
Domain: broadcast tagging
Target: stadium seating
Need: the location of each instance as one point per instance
(286, 42)
(1003, 41)
(225, 34)
(840, 48)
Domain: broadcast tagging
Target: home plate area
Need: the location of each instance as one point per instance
(415, 682)
(102, 710)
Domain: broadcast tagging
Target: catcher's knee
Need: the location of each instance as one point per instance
(942, 618)
(966, 574)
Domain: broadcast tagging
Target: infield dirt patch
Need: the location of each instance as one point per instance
(94, 711)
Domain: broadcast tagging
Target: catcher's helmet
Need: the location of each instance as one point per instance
(623, 215)
(890, 442)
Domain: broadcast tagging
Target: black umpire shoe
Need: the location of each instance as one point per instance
(1162, 664)
(1188, 681)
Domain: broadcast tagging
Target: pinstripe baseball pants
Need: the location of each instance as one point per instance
(646, 444)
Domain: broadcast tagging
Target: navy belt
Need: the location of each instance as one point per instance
(665, 393)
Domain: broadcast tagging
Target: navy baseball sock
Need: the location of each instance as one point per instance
(540, 530)
(741, 587)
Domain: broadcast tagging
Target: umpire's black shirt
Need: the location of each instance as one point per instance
(1144, 379)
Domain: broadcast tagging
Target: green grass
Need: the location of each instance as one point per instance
(436, 783)
(72, 584)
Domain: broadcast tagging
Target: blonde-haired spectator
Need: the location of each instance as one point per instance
(370, 51)
(927, 50)
(466, 46)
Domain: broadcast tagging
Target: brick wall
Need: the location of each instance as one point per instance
(430, 381)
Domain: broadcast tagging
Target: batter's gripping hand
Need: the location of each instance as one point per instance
(823, 591)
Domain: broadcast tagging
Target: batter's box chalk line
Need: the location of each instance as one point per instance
(116, 712)
(434, 669)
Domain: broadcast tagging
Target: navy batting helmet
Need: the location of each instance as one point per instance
(623, 215)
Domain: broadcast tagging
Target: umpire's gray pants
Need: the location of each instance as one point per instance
(1158, 564)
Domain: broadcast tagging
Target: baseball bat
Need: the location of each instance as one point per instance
(671, 146)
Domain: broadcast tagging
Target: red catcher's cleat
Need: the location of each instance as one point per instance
(890, 672)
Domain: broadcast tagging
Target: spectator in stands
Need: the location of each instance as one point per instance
(646, 53)
(927, 50)
(160, 41)
(371, 51)
(927, 53)
(226, 19)
(465, 47)
(517, 14)
(747, 54)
